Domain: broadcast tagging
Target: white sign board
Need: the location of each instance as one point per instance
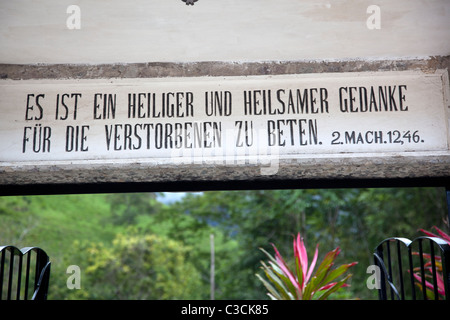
(222, 119)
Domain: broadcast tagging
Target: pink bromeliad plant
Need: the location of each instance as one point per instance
(303, 283)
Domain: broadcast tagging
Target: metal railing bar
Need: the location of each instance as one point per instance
(429, 274)
(13, 259)
(42, 282)
(385, 277)
(433, 268)
(378, 260)
(2, 272)
(27, 277)
(400, 269)
(388, 247)
(446, 271)
(422, 271)
(10, 278)
(37, 270)
(19, 278)
(411, 273)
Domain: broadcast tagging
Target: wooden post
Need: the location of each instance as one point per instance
(211, 238)
(447, 193)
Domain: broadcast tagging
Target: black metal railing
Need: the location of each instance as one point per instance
(406, 266)
(22, 270)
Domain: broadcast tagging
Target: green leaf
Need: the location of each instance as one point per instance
(337, 272)
(325, 266)
(273, 293)
(269, 255)
(298, 268)
(309, 289)
(290, 286)
(338, 285)
(275, 279)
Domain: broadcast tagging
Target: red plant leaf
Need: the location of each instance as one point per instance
(300, 251)
(313, 263)
(428, 284)
(428, 233)
(443, 235)
(283, 266)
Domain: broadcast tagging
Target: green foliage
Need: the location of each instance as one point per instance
(137, 266)
(68, 226)
(71, 227)
(356, 220)
(192, 232)
(127, 207)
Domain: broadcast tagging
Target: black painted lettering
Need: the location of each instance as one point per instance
(76, 138)
(239, 142)
(323, 100)
(343, 101)
(64, 105)
(270, 133)
(280, 101)
(117, 147)
(248, 103)
(141, 110)
(382, 95)
(302, 103)
(178, 135)
(25, 138)
(313, 100)
(131, 105)
(168, 142)
(363, 99)
(373, 100)
(280, 133)
(179, 100)
(127, 131)
(158, 136)
(30, 106)
(256, 95)
(104, 106)
(97, 106)
(352, 99)
(218, 103)
(190, 106)
(108, 133)
(402, 97)
(137, 136)
(291, 105)
(40, 138)
(392, 103)
(170, 106)
(378, 137)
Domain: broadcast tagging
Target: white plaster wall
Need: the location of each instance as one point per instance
(117, 31)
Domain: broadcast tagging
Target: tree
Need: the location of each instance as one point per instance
(125, 207)
(137, 266)
(356, 220)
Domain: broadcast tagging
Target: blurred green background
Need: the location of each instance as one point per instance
(157, 245)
